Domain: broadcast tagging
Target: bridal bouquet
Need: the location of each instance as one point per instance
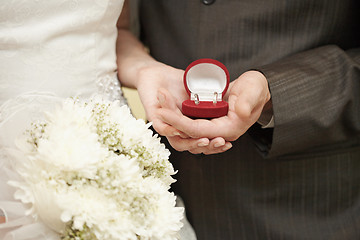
(92, 171)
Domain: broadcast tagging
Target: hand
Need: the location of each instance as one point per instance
(160, 85)
(181, 141)
(156, 75)
(247, 97)
(137, 69)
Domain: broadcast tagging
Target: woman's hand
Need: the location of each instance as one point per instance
(161, 86)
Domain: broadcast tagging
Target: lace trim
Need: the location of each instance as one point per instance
(109, 87)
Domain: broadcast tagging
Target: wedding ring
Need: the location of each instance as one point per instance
(215, 97)
(196, 99)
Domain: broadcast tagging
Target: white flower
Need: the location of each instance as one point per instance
(44, 200)
(70, 141)
(92, 171)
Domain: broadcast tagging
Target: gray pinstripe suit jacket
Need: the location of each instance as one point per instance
(300, 180)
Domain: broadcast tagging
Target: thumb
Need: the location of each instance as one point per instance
(166, 100)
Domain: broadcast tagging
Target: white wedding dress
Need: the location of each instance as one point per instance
(50, 50)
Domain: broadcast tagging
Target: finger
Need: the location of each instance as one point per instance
(217, 142)
(165, 129)
(198, 128)
(209, 150)
(247, 110)
(181, 144)
(182, 135)
(166, 100)
(249, 95)
(197, 150)
(243, 103)
(217, 145)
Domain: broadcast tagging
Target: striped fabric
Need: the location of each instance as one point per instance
(300, 180)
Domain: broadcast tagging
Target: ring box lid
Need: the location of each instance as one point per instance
(206, 77)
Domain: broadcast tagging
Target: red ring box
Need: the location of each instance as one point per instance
(206, 81)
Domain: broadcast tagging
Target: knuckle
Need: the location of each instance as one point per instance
(245, 111)
(176, 144)
(159, 130)
(233, 138)
(193, 131)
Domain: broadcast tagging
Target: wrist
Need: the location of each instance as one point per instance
(264, 82)
(146, 70)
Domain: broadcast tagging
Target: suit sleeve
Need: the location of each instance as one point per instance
(316, 99)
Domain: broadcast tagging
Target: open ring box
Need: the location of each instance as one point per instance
(206, 81)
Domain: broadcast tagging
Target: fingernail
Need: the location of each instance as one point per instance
(202, 144)
(176, 133)
(161, 98)
(218, 145)
(227, 146)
